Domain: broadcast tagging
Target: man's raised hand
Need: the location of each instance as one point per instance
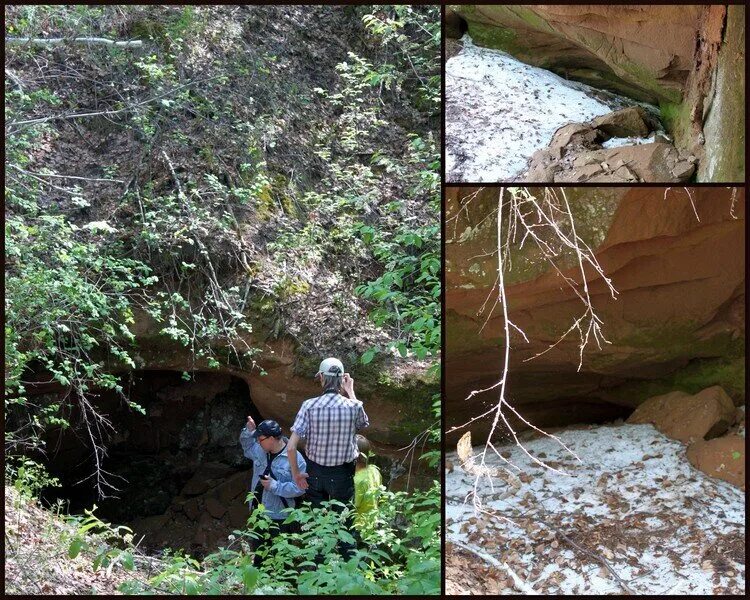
(250, 424)
(348, 385)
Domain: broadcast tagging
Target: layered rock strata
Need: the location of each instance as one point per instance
(676, 258)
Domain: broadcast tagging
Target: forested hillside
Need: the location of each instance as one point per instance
(216, 198)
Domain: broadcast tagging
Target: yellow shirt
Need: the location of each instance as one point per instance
(367, 482)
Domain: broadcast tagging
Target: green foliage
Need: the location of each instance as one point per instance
(225, 200)
(180, 235)
(28, 476)
(68, 301)
(408, 293)
(411, 36)
(433, 458)
(94, 535)
(405, 296)
(399, 554)
(72, 287)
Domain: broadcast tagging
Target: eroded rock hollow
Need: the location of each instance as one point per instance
(181, 476)
(688, 60)
(675, 257)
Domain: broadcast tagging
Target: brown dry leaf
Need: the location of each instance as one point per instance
(464, 449)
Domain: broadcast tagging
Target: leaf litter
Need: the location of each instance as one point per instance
(635, 503)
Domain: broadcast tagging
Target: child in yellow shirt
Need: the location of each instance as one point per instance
(367, 482)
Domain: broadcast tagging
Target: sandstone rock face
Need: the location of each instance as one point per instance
(182, 460)
(644, 51)
(279, 393)
(688, 59)
(687, 418)
(724, 131)
(723, 458)
(677, 322)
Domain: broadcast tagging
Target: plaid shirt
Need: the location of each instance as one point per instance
(330, 423)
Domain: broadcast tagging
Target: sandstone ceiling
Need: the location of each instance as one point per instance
(677, 322)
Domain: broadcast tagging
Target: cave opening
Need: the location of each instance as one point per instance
(550, 415)
(180, 470)
(462, 26)
(569, 413)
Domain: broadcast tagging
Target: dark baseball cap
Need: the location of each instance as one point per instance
(268, 427)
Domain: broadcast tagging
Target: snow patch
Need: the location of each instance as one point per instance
(617, 142)
(499, 111)
(665, 514)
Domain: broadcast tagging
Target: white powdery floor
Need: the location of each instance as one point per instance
(499, 111)
(663, 526)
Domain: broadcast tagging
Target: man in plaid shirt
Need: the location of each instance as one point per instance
(330, 423)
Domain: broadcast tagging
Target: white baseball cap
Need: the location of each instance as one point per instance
(331, 366)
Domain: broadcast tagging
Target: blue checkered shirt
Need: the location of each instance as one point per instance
(330, 423)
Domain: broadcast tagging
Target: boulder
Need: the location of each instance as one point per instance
(723, 458)
(575, 133)
(687, 418)
(206, 477)
(575, 154)
(683, 170)
(653, 163)
(192, 508)
(233, 487)
(628, 122)
(214, 470)
(215, 508)
(196, 486)
(206, 521)
(584, 173)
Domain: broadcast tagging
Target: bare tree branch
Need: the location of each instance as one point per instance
(91, 41)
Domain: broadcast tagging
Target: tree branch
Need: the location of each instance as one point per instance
(91, 41)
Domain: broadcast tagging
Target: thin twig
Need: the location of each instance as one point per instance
(519, 584)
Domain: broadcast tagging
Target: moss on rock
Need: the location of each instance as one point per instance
(696, 376)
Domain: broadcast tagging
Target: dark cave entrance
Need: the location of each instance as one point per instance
(180, 470)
